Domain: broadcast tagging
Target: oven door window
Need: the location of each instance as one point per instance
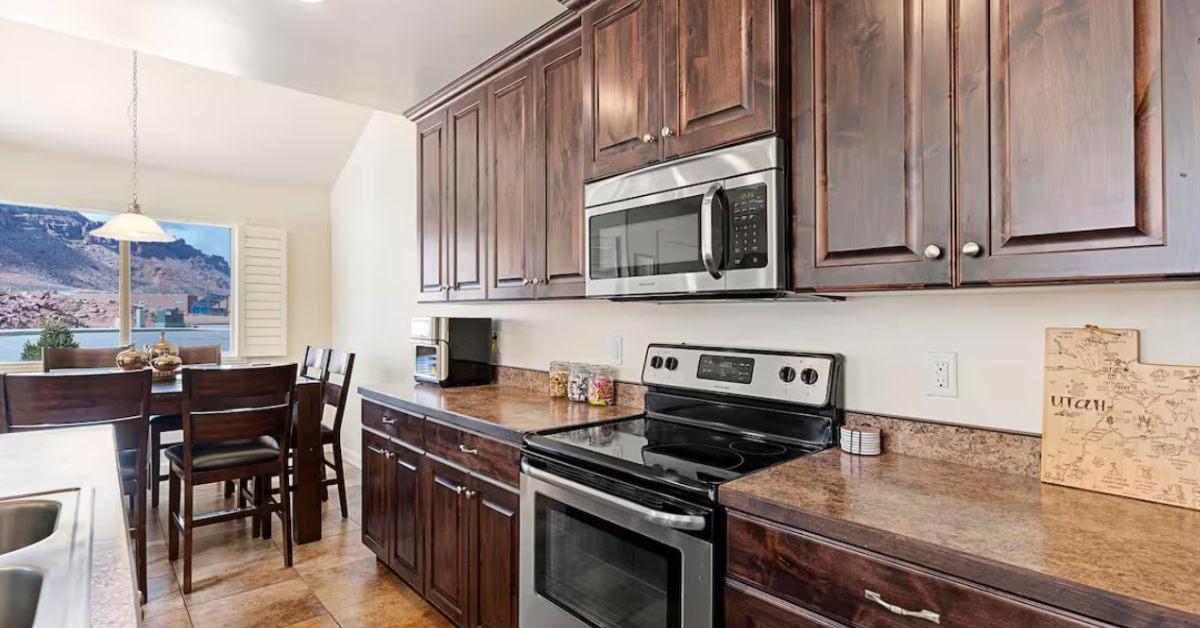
(604, 574)
(427, 361)
(659, 239)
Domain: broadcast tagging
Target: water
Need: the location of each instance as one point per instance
(13, 341)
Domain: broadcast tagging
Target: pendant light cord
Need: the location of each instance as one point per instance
(133, 124)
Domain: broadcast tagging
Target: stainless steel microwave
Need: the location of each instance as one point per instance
(708, 225)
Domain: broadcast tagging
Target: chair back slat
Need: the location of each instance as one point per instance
(92, 358)
(234, 404)
(208, 427)
(200, 355)
(316, 361)
(44, 401)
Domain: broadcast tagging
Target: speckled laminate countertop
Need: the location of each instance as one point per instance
(503, 412)
(1066, 547)
(81, 457)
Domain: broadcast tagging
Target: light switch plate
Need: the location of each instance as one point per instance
(941, 374)
(616, 350)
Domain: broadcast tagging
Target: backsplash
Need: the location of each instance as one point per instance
(976, 447)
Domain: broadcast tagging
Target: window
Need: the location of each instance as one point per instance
(59, 285)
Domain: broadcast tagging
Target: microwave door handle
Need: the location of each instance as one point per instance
(668, 519)
(712, 230)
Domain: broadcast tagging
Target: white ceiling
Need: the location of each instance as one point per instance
(385, 54)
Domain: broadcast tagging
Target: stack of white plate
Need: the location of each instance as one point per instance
(861, 440)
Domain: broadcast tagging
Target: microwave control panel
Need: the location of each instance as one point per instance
(747, 213)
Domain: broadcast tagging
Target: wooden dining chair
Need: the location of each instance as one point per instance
(121, 399)
(316, 362)
(335, 390)
(91, 358)
(196, 355)
(236, 425)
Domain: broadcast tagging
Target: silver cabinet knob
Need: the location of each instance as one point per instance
(933, 251)
(666, 132)
(972, 249)
(525, 281)
(649, 138)
(469, 494)
(459, 490)
(537, 280)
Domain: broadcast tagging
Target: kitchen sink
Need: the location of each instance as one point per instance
(23, 523)
(20, 588)
(46, 559)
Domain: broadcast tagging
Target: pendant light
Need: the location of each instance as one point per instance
(132, 226)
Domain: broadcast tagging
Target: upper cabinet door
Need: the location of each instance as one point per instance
(560, 171)
(719, 69)
(1078, 139)
(432, 150)
(622, 100)
(872, 143)
(512, 159)
(467, 121)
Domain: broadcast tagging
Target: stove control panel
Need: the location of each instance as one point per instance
(802, 378)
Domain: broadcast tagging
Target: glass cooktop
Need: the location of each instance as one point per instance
(707, 456)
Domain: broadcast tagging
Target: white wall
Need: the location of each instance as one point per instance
(62, 180)
(997, 333)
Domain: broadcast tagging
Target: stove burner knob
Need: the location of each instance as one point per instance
(656, 362)
(787, 374)
(672, 363)
(809, 376)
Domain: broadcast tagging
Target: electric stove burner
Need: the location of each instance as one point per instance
(705, 455)
(757, 448)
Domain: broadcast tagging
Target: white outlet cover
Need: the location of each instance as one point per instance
(616, 350)
(941, 374)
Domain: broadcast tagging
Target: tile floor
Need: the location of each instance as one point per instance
(238, 580)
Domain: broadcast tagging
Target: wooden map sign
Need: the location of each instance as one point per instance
(1114, 425)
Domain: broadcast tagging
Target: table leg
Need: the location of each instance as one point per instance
(306, 501)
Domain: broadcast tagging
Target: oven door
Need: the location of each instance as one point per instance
(431, 361)
(589, 558)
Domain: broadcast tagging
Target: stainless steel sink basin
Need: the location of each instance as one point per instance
(24, 523)
(20, 588)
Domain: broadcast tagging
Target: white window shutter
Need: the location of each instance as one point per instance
(263, 294)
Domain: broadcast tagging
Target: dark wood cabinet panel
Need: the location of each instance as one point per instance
(1078, 133)
(407, 518)
(495, 554)
(467, 120)
(394, 423)
(746, 607)
(622, 98)
(511, 164)
(375, 499)
(872, 143)
(481, 454)
(446, 536)
(719, 72)
(432, 164)
(560, 230)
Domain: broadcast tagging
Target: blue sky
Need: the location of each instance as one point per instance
(211, 240)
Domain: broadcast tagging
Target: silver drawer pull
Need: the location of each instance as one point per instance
(467, 450)
(378, 451)
(922, 614)
(387, 420)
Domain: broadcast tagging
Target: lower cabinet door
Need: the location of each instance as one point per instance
(446, 538)
(406, 517)
(375, 471)
(494, 554)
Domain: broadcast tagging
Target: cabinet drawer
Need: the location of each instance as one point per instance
(394, 423)
(863, 589)
(747, 607)
(486, 456)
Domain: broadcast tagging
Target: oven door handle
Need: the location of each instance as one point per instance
(712, 230)
(668, 519)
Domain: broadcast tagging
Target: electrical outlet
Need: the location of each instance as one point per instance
(941, 374)
(616, 350)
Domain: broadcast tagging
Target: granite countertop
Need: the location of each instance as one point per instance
(1067, 547)
(504, 412)
(81, 457)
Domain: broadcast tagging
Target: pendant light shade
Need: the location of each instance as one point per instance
(132, 226)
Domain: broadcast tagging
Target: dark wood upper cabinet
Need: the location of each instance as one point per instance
(872, 142)
(432, 164)
(511, 163)
(1078, 138)
(719, 72)
(407, 520)
(446, 540)
(560, 228)
(467, 121)
(622, 111)
(495, 554)
(375, 498)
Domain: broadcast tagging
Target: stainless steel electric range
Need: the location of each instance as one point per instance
(620, 524)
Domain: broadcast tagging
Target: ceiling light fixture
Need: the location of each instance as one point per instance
(132, 226)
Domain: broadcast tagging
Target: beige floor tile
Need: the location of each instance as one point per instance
(162, 594)
(400, 609)
(320, 621)
(172, 619)
(230, 577)
(329, 552)
(275, 605)
(353, 583)
(223, 546)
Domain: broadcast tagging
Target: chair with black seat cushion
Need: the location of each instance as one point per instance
(91, 358)
(120, 399)
(236, 426)
(197, 355)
